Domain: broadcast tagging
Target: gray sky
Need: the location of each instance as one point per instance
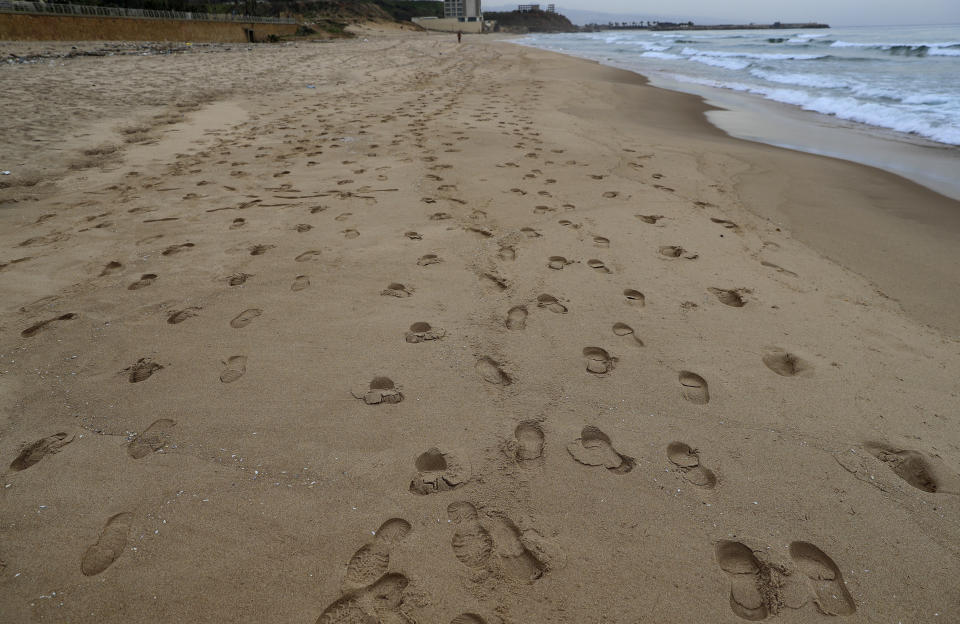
(835, 12)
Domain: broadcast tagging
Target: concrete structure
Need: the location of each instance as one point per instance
(463, 10)
(452, 24)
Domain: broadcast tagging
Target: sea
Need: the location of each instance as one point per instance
(896, 83)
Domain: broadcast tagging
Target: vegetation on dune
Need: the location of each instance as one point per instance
(530, 21)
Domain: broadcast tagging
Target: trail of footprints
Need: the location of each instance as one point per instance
(487, 542)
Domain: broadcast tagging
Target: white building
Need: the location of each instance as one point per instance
(463, 10)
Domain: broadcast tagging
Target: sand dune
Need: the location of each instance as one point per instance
(392, 330)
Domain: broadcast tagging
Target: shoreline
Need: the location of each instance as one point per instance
(415, 331)
(903, 242)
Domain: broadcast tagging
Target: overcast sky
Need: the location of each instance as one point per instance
(834, 12)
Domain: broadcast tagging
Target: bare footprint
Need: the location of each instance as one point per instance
(350, 233)
(109, 546)
(651, 219)
(422, 332)
(599, 362)
(245, 318)
(922, 471)
(732, 298)
(551, 303)
(234, 368)
(601, 241)
(674, 251)
(517, 317)
(688, 460)
(308, 256)
(694, 388)
(491, 372)
(145, 280)
(175, 249)
(557, 262)
(32, 453)
(507, 253)
(824, 578)
(372, 560)
(529, 232)
(152, 439)
(594, 448)
(110, 268)
(413, 235)
(529, 442)
(300, 282)
(439, 471)
(428, 259)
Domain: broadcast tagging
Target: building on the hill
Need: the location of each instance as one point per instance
(462, 10)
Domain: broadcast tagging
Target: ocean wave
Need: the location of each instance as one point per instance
(816, 81)
(773, 56)
(661, 55)
(725, 63)
(850, 108)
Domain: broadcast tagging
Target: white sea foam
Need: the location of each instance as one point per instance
(725, 63)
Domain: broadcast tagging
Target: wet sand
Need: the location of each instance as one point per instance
(459, 334)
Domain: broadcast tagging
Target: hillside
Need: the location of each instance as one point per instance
(530, 21)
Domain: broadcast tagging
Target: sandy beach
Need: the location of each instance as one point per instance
(396, 330)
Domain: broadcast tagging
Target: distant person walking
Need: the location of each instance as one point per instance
(459, 35)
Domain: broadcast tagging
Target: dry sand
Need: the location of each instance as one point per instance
(462, 334)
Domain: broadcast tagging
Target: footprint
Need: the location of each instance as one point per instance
(244, 318)
(350, 233)
(507, 253)
(688, 460)
(396, 290)
(825, 579)
(372, 560)
(111, 267)
(238, 223)
(380, 390)
(920, 470)
(378, 603)
(175, 249)
(513, 557)
(468, 618)
(786, 364)
(622, 329)
(550, 302)
(674, 251)
(440, 216)
(308, 256)
(557, 262)
(529, 232)
(428, 259)
(635, 297)
(343, 216)
(543, 209)
(422, 331)
(32, 453)
(529, 441)
(730, 225)
(36, 328)
(748, 595)
(413, 235)
(694, 388)
(145, 280)
(517, 317)
(598, 265)
(236, 366)
(610, 194)
(600, 241)
(599, 362)
(491, 372)
(472, 544)
(238, 279)
(777, 268)
(732, 298)
(300, 282)
(651, 219)
(181, 315)
(594, 448)
(438, 472)
(259, 250)
(142, 370)
(110, 545)
(152, 439)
